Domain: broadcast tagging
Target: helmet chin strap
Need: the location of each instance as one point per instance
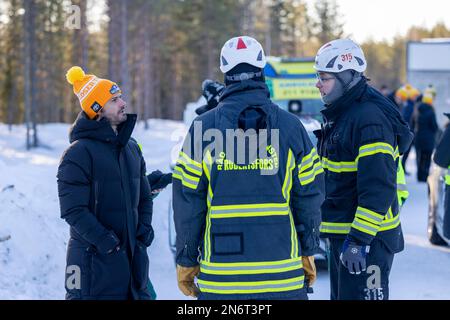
(346, 86)
(244, 76)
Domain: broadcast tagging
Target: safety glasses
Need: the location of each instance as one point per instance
(323, 79)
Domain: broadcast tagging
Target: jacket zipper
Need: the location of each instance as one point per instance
(95, 197)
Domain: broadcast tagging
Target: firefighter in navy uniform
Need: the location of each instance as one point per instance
(359, 145)
(247, 229)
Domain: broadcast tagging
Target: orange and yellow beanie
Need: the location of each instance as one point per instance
(92, 92)
(427, 98)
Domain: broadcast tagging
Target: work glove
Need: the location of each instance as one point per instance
(353, 256)
(309, 267)
(212, 90)
(185, 278)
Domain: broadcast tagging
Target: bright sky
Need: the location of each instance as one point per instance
(383, 19)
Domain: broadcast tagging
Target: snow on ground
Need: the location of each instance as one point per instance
(32, 262)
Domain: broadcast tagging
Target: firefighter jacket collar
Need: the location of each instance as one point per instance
(247, 86)
(343, 104)
(362, 92)
(238, 97)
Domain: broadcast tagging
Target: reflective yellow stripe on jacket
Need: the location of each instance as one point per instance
(364, 151)
(207, 167)
(287, 187)
(375, 148)
(366, 220)
(402, 189)
(251, 267)
(309, 168)
(187, 171)
(251, 287)
(344, 228)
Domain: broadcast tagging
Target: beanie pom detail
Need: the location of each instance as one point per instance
(75, 74)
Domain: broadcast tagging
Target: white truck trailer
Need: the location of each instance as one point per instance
(428, 62)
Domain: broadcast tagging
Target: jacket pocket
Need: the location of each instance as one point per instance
(228, 243)
(78, 270)
(110, 274)
(140, 266)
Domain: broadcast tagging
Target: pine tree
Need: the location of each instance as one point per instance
(327, 27)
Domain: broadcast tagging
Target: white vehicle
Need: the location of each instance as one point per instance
(436, 198)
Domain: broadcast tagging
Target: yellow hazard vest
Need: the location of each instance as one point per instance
(402, 190)
(447, 177)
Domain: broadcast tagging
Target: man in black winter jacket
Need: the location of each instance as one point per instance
(442, 158)
(359, 145)
(105, 197)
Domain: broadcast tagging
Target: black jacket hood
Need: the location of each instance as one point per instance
(391, 111)
(246, 105)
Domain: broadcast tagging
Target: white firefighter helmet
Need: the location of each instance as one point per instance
(340, 55)
(241, 49)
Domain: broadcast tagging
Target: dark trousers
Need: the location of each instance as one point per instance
(447, 212)
(423, 164)
(372, 284)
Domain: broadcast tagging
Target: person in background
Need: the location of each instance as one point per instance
(406, 97)
(385, 90)
(425, 127)
(211, 90)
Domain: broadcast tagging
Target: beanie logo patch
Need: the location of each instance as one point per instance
(96, 107)
(114, 89)
(87, 89)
